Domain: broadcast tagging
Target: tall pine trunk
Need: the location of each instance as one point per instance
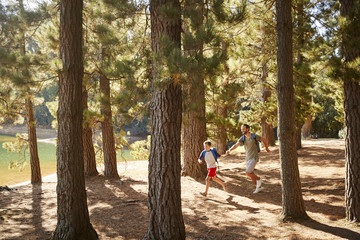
(107, 130)
(194, 122)
(164, 197)
(267, 130)
(72, 211)
(34, 156)
(89, 151)
(30, 119)
(351, 51)
(292, 202)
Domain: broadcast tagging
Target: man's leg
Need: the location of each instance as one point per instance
(253, 176)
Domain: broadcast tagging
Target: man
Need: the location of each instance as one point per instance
(249, 140)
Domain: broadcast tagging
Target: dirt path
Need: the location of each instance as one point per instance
(118, 209)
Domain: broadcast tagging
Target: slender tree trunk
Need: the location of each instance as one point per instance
(165, 214)
(34, 156)
(266, 128)
(292, 202)
(30, 119)
(194, 122)
(89, 152)
(351, 50)
(194, 129)
(107, 130)
(306, 128)
(221, 131)
(72, 211)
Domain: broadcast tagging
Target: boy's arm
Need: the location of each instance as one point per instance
(265, 143)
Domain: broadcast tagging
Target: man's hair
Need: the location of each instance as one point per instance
(247, 126)
(207, 142)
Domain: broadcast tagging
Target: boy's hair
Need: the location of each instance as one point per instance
(247, 126)
(207, 142)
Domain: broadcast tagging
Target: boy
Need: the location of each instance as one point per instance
(210, 155)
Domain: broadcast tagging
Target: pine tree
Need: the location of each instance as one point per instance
(293, 207)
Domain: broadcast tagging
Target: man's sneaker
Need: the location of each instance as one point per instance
(258, 189)
(258, 183)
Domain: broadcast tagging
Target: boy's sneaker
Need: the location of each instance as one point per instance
(203, 193)
(225, 187)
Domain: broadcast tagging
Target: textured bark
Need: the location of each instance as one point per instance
(107, 130)
(30, 119)
(221, 131)
(89, 151)
(164, 197)
(72, 211)
(194, 130)
(351, 50)
(306, 128)
(34, 156)
(267, 130)
(292, 202)
(298, 136)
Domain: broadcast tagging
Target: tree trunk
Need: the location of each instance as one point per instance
(164, 197)
(292, 202)
(89, 152)
(351, 50)
(194, 129)
(306, 128)
(221, 132)
(267, 130)
(72, 211)
(109, 152)
(298, 136)
(34, 156)
(29, 113)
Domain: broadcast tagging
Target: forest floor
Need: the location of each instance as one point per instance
(118, 208)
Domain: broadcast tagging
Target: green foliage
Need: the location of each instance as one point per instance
(20, 146)
(140, 150)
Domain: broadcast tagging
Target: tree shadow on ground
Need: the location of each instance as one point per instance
(337, 231)
(116, 209)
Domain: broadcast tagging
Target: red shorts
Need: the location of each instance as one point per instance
(211, 172)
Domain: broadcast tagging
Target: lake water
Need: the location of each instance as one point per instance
(47, 156)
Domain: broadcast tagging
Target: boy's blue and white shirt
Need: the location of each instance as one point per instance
(210, 157)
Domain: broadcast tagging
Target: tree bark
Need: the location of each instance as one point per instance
(298, 136)
(89, 152)
(164, 197)
(351, 51)
(29, 114)
(34, 156)
(194, 122)
(107, 129)
(306, 128)
(72, 211)
(292, 202)
(266, 128)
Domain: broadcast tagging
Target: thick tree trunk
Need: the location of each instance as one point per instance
(351, 51)
(34, 156)
(72, 211)
(109, 151)
(292, 202)
(165, 214)
(89, 151)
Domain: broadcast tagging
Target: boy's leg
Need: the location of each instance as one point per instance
(207, 186)
(220, 182)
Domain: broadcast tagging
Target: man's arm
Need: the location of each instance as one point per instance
(233, 147)
(265, 143)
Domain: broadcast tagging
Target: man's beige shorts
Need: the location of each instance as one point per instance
(250, 164)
